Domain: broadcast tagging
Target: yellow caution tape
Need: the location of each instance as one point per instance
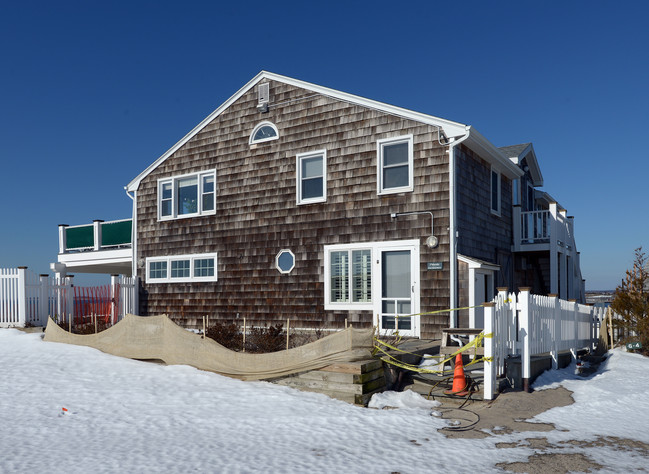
(390, 359)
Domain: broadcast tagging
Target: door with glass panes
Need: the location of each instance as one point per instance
(398, 302)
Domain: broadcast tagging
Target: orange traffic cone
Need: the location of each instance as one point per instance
(460, 387)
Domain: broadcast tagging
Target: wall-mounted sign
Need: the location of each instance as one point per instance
(435, 266)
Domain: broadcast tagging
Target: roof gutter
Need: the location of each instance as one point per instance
(453, 227)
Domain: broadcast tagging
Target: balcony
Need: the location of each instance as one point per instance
(543, 230)
(100, 247)
(551, 231)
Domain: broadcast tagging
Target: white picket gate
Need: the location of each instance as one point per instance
(528, 325)
(28, 299)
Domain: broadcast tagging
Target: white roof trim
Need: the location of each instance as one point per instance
(532, 162)
(451, 129)
(493, 155)
(478, 264)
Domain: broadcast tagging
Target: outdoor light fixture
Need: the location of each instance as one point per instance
(432, 241)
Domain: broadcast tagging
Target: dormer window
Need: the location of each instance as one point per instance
(264, 132)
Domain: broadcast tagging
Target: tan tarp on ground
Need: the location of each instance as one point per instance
(157, 337)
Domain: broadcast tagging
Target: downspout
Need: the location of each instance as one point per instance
(133, 232)
(453, 227)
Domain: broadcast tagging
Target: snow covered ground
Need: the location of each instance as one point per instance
(129, 416)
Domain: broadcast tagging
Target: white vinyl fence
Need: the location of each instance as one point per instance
(27, 299)
(527, 325)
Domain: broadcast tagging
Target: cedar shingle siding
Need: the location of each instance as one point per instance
(257, 215)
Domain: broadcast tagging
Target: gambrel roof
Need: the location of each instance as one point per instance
(452, 130)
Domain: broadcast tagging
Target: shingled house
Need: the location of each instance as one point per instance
(295, 200)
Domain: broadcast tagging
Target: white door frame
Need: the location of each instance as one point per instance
(378, 249)
(478, 267)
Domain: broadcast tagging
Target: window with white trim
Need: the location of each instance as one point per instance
(348, 277)
(495, 191)
(395, 165)
(311, 169)
(263, 132)
(285, 261)
(187, 195)
(181, 268)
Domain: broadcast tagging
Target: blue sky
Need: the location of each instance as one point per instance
(93, 92)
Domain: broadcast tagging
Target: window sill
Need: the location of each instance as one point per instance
(349, 307)
(311, 201)
(186, 216)
(403, 189)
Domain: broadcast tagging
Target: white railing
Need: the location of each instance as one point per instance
(543, 227)
(27, 299)
(528, 325)
(535, 226)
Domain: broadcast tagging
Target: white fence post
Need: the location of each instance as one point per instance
(524, 321)
(22, 296)
(556, 336)
(136, 295)
(489, 355)
(575, 334)
(70, 300)
(115, 294)
(43, 303)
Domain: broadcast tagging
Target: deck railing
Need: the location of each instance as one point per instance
(543, 227)
(99, 235)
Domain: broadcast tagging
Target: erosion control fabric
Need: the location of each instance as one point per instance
(157, 337)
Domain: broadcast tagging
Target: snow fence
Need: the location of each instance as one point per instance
(157, 337)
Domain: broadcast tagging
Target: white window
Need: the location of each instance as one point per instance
(285, 261)
(395, 165)
(495, 192)
(263, 132)
(188, 195)
(311, 177)
(348, 277)
(181, 268)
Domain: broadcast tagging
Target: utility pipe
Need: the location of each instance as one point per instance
(453, 227)
(133, 232)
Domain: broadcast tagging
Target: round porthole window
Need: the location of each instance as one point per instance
(285, 261)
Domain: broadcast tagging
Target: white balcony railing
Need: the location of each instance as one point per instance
(551, 231)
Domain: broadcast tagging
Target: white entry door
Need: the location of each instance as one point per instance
(398, 304)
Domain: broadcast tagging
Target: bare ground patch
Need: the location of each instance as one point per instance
(506, 414)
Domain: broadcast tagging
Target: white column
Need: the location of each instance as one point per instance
(517, 227)
(524, 321)
(489, 362)
(96, 227)
(62, 238)
(563, 287)
(554, 249)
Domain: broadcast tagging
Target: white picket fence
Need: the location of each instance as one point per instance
(528, 325)
(27, 299)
